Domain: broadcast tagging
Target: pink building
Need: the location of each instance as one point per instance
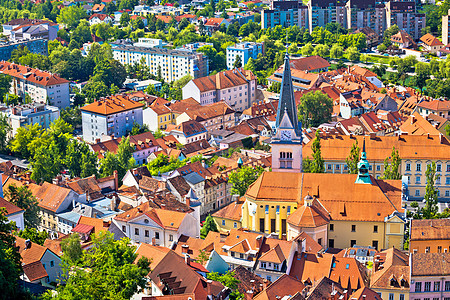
(430, 276)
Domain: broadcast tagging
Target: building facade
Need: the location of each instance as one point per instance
(404, 15)
(35, 45)
(41, 86)
(113, 116)
(245, 51)
(170, 64)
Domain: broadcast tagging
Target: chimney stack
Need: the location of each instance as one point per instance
(116, 180)
(187, 259)
(185, 248)
(413, 119)
(153, 241)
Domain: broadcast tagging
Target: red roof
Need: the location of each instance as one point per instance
(112, 105)
(100, 16)
(214, 21)
(83, 228)
(30, 74)
(10, 208)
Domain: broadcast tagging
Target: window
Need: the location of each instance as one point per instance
(375, 244)
(331, 227)
(136, 231)
(417, 193)
(353, 228)
(402, 297)
(147, 234)
(171, 238)
(418, 287)
(269, 278)
(263, 265)
(447, 193)
(427, 249)
(375, 229)
(232, 253)
(331, 243)
(52, 263)
(223, 222)
(437, 286)
(235, 225)
(319, 241)
(447, 180)
(438, 168)
(408, 167)
(352, 243)
(275, 267)
(427, 287)
(447, 286)
(391, 296)
(157, 235)
(329, 166)
(439, 251)
(124, 229)
(241, 256)
(378, 168)
(417, 179)
(418, 167)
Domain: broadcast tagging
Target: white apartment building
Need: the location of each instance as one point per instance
(236, 87)
(41, 86)
(245, 51)
(30, 114)
(171, 64)
(113, 116)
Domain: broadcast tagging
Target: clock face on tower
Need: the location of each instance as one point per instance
(285, 135)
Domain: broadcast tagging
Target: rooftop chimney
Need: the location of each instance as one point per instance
(185, 248)
(116, 180)
(187, 259)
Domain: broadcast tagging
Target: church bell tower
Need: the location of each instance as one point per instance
(287, 141)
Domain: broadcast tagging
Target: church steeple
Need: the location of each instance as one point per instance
(363, 167)
(286, 103)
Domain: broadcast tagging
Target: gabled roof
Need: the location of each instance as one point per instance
(188, 128)
(430, 40)
(284, 286)
(435, 229)
(50, 196)
(35, 76)
(325, 288)
(232, 211)
(435, 105)
(99, 16)
(224, 80)
(430, 264)
(349, 272)
(180, 184)
(32, 254)
(393, 273)
(155, 253)
(249, 281)
(139, 142)
(312, 216)
(214, 21)
(274, 255)
(310, 244)
(211, 111)
(11, 209)
(402, 37)
(309, 63)
(418, 126)
(364, 293)
(34, 271)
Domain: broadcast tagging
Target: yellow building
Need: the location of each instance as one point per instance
(390, 277)
(416, 152)
(229, 217)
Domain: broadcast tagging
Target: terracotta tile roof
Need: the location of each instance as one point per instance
(350, 273)
(168, 141)
(198, 147)
(337, 147)
(140, 142)
(436, 105)
(365, 293)
(211, 111)
(81, 228)
(174, 275)
(149, 184)
(430, 40)
(394, 272)
(34, 271)
(309, 63)
(188, 128)
(362, 71)
(11, 209)
(180, 184)
(98, 7)
(232, 211)
(155, 253)
(274, 255)
(167, 219)
(242, 246)
(310, 244)
(165, 200)
(86, 185)
(237, 236)
(35, 76)
(97, 224)
(312, 216)
(165, 19)
(100, 16)
(185, 16)
(181, 105)
(112, 105)
(32, 254)
(309, 266)
(26, 21)
(308, 80)
(284, 286)
(402, 37)
(50, 196)
(430, 264)
(372, 122)
(196, 167)
(435, 229)
(191, 246)
(249, 281)
(325, 289)
(214, 21)
(418, 125)
(224, 80)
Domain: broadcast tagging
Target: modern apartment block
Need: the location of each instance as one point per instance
(245, 50)
(41, 86)
(446, 29)
(285, 13)
(404, 15)
(361, 13)
(171, 64)
(113, 116)
(24, 28)
(322, 12)
(30, 114)
(35, 45)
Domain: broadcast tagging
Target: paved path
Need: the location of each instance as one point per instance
(15, 160)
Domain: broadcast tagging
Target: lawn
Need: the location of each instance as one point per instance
(378, 58)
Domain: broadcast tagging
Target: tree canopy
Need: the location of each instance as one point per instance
(242, 178)
(315, 108)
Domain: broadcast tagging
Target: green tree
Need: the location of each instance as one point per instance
(321, 50)
(317, 164)
(71, 16)
(23, 198)
(353, 158)
(5, 128)
(430, 209)
(80, 160)
(33, 235)
(106, 271)
(71, 248)
(315, 108)
(336, 51)
(108, 164)
(242, 178)
(353, 53)
(95, 90)
(46, 163)
(125, 156)
(202, 257)
(228, 280)
(237, 62)
(392, 166)
(208, 225)
(124, 19)
(23, 140)
(10, 266)
(5, 85)
(307, 50)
